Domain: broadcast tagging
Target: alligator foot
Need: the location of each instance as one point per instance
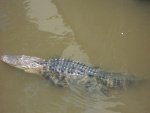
(56, 78)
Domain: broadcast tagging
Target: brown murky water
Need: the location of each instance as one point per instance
(112, 34)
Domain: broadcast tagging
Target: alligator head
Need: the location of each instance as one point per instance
(29, 64)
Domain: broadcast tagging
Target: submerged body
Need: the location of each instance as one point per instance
(63, 72)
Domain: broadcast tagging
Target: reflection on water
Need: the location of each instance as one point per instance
(111, 34)
(46, 16)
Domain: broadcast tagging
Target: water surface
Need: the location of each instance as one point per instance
(111, 34)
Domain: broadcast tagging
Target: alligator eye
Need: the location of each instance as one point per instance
(44, 66)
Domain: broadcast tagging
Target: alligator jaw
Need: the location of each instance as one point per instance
(27, 63)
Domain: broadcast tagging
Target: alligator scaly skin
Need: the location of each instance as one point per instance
(73, 71)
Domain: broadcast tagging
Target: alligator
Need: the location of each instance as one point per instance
(62, 72)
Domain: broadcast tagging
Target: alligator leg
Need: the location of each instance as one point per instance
(91, 85)
(58, 79)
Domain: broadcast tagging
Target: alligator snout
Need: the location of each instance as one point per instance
(8, 59)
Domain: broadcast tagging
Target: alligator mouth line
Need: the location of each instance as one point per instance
(12, 60)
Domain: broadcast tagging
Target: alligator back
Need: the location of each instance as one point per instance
(75, 71)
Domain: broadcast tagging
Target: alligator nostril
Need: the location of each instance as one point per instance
(4, 58)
